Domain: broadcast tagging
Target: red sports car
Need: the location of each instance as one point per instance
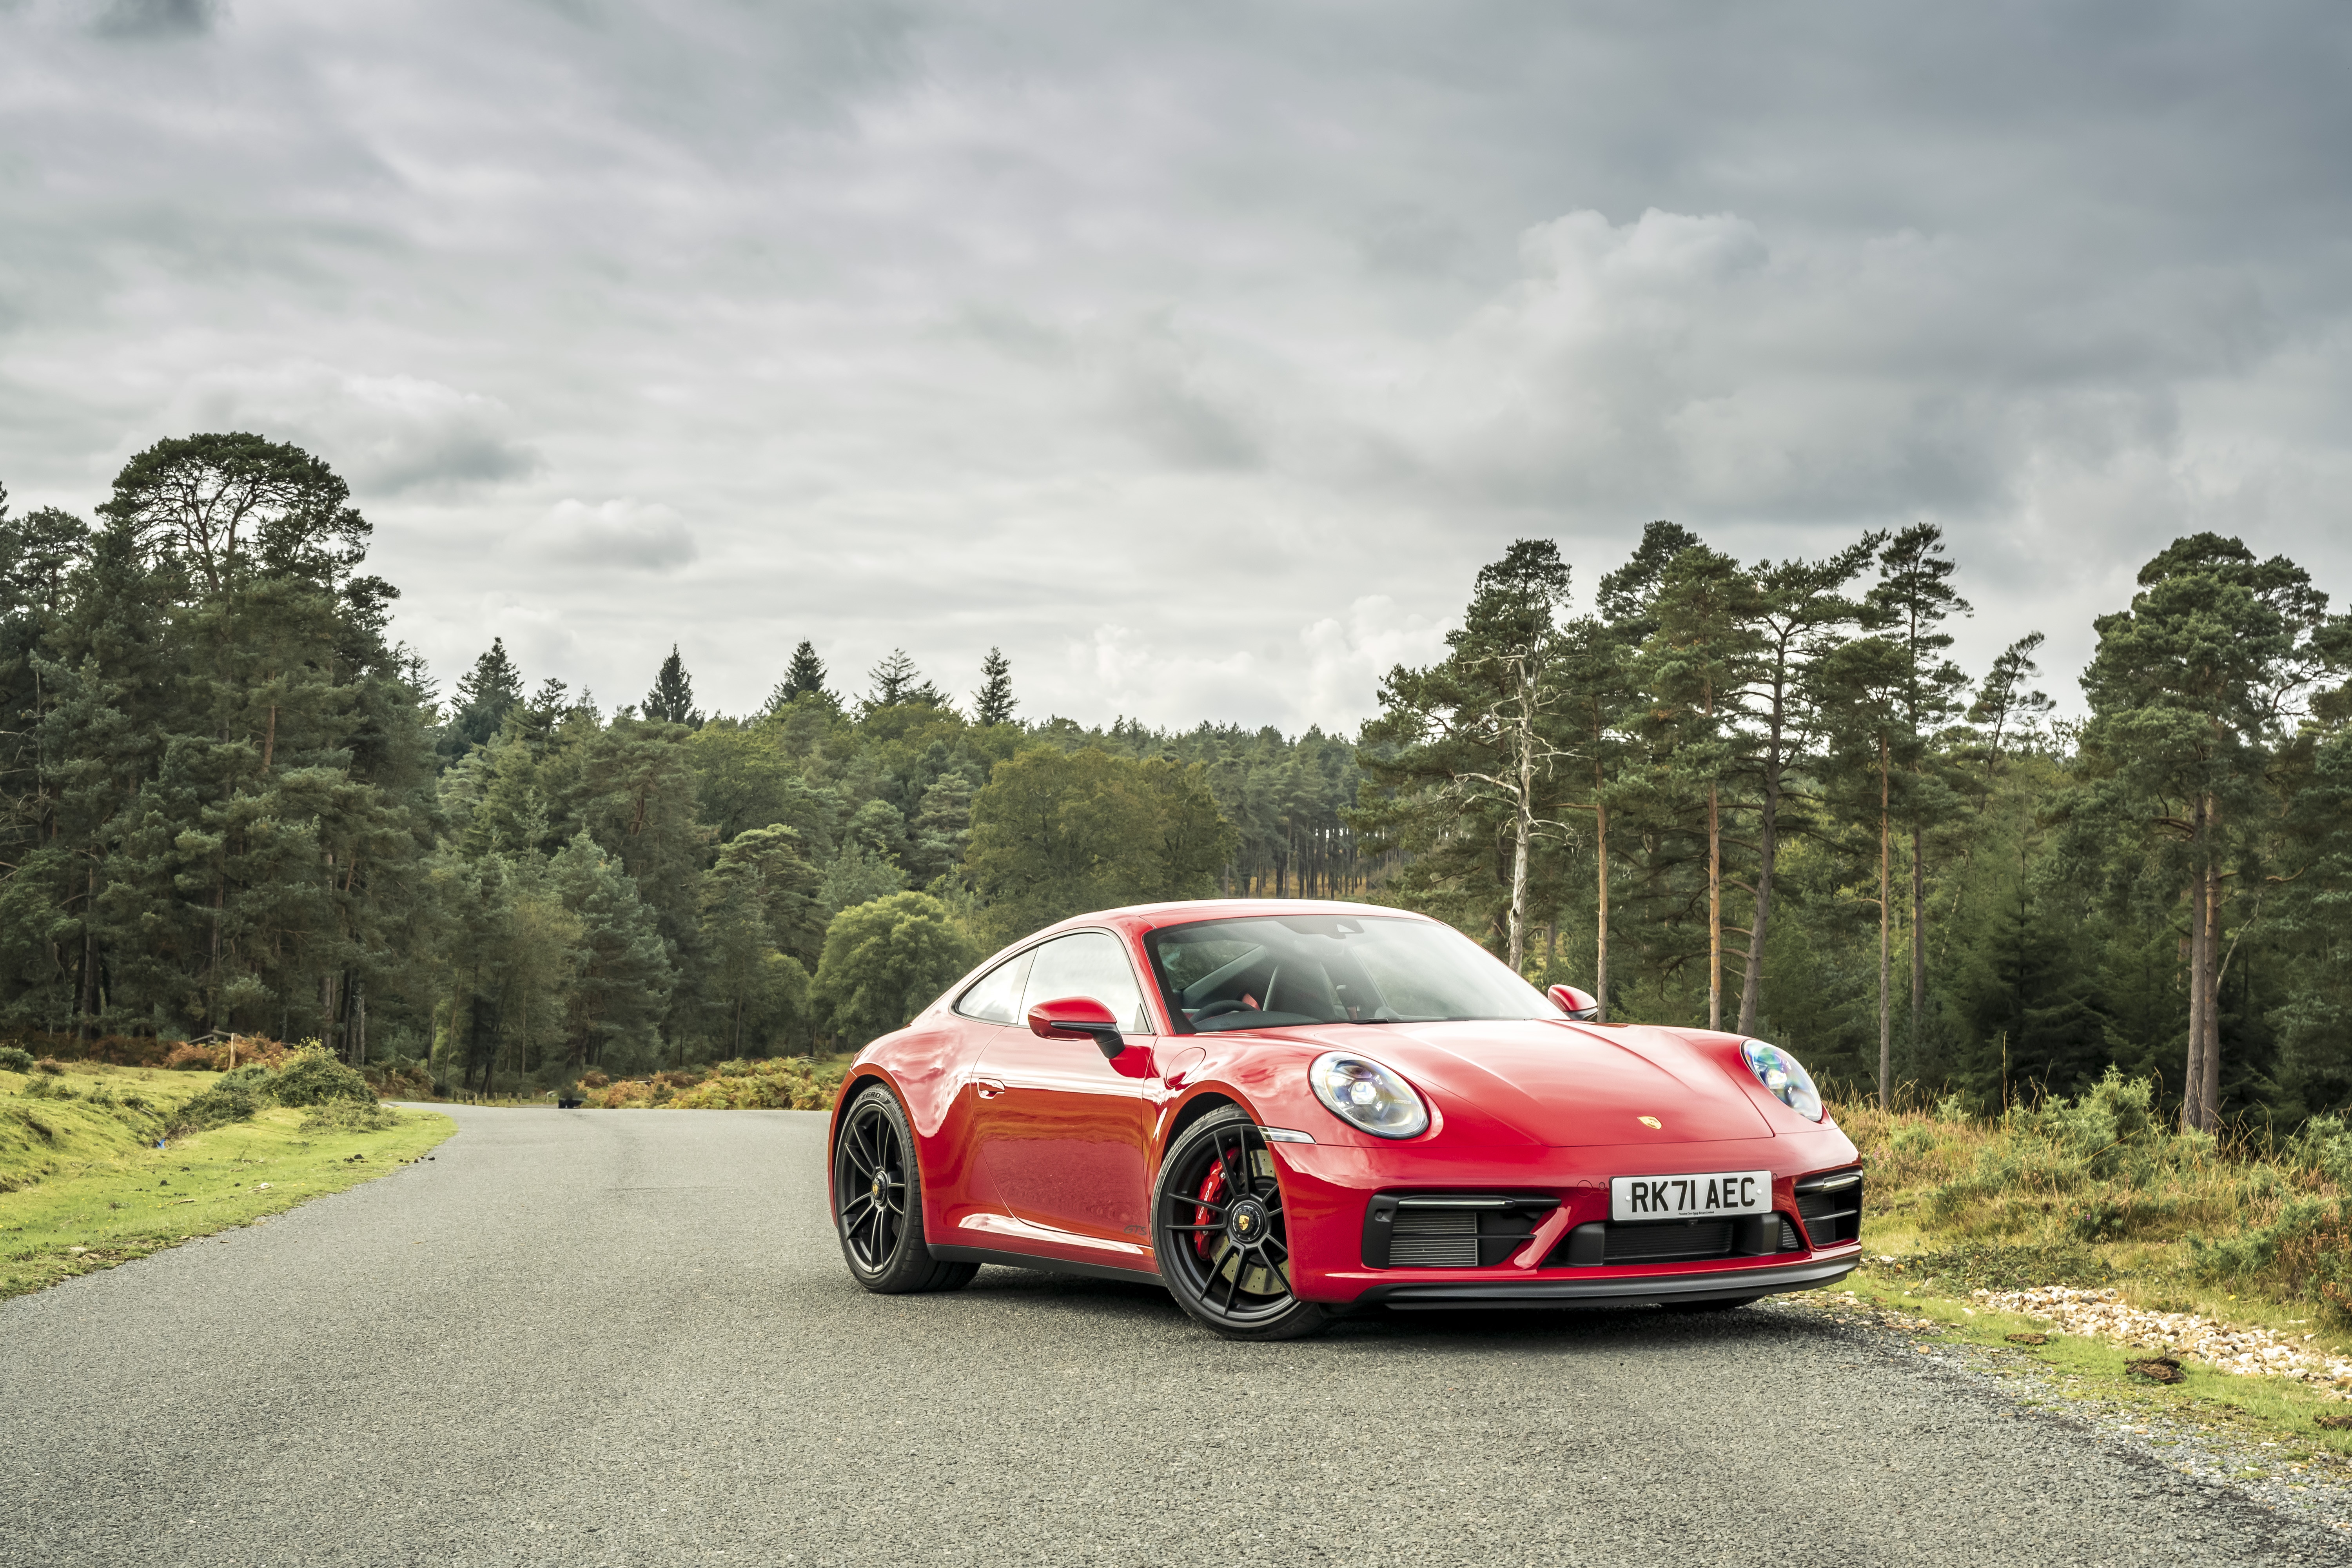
(1280, 1109)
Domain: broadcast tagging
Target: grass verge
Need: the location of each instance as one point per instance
(83, 1185)
(2096, 1194)
(2085, 1370)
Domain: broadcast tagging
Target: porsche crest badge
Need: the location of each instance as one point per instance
(1652, 1123)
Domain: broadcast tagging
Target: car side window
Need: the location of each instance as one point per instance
(1089, 964)
(995, 996)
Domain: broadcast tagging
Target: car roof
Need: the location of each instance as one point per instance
(1139, 918)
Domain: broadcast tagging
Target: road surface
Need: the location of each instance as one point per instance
(627, 1338)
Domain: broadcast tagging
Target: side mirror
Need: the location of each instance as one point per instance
(1578, 1005)
(1077, 1018)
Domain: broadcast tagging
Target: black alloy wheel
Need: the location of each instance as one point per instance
(1221, 1236)
(877, 1202)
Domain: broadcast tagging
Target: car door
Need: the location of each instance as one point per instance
(1064, 1133)
(962, 1194)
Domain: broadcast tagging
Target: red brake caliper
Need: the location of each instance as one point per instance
(1209, 1188)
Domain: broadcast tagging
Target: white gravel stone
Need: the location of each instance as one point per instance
(2246, 1352)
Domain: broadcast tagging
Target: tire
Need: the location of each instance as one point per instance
(1226, 1255)
(877, 1202)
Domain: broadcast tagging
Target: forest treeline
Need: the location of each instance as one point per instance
(1759, 795)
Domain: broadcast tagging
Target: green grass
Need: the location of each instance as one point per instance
(83, 1186)
(2090, 1370)
(2098, 1194)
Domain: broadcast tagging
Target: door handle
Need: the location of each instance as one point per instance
(989, 1087)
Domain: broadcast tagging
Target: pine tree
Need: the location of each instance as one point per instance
(2191, 691)
(1483, 730)
(804, 677)
(625, 979)
(993, 702)
(2005, 707)
(630, 786)
(1800, 617)
(1863, 685)
(1915, 596)
(38, 554)
(486, 694)
(249, 758)
(1696, 669)
(897, 683)
(671, 701)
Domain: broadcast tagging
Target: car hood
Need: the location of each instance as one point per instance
(1561, 1084)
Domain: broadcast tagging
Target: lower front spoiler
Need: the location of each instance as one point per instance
(1653, 1290)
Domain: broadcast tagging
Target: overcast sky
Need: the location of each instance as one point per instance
(1197, 354)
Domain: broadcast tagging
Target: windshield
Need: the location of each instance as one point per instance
(1264, 970)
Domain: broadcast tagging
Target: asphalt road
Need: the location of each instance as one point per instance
(626, 1337)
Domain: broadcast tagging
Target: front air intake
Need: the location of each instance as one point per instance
(1610, 1243)
(1830, 1207)
(1449, 1230)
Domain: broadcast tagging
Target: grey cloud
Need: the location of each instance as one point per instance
(155, 18)
(624, 533)
(987, 310)
(390, 435)
(1176, 421)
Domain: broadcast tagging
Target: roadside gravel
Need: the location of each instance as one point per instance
(2242, 1351)
(626, 1338)
(2260, 1470)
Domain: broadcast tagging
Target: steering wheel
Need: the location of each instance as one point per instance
(1218, 1009)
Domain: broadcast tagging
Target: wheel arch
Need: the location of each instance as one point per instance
(851, 1088)
(1206, 1102)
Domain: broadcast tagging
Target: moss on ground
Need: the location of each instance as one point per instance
(84, 1185)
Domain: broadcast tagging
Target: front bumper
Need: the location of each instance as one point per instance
(1327, 1187)
(1624, 1288)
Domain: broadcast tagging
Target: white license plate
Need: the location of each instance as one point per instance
(1690, 1197)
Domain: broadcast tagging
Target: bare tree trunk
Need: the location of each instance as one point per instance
(1885, 945)
(1522, 832)
(2210, 1099)
(90, 959)
(1600, 940)
(2200, 941)
(1918, 937)
(1767, 849)
(1714, 909)
(2192, 1092)
(1518, 935)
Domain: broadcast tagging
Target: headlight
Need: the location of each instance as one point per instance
(1366, 1095)
(1784, 1077)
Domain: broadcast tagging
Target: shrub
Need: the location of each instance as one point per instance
(50, 1064)
(2325, 1145)
(16, 1058)
(314, 1078)
(2308, 1249)
(2102, 1129)
(251, 1050)
(189, 1057)
(231, 1099)
(401, 1080)
(349, 1116)
(593, 1078)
